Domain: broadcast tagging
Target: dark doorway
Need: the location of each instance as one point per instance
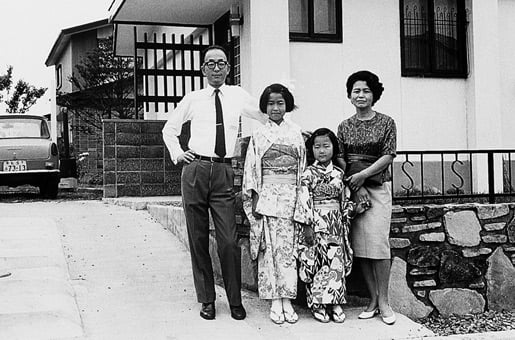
(222, 30)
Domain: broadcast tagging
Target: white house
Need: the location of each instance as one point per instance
(447, 65)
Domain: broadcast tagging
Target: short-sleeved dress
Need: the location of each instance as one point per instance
(373, 137)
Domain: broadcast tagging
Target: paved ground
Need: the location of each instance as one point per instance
(131, 279)
(91, 270)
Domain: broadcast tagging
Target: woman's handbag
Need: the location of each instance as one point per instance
(357, 163)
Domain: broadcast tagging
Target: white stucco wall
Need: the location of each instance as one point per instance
(318, 84)
(431, 113)
(264, 45)
(371, 41)
(320, 70)
(507, 67)
(67, 67)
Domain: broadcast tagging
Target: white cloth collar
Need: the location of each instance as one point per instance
(211, 90)
(327, 169)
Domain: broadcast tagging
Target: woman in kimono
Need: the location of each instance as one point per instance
(325, 210)
(275, 159)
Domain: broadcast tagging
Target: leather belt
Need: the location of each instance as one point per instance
(214, 159)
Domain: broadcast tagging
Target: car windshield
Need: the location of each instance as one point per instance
(23, 128)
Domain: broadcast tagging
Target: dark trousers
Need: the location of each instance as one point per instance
(207, 187)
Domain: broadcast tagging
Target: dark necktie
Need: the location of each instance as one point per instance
(220, 133)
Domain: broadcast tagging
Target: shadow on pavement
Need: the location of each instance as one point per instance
(31, 194)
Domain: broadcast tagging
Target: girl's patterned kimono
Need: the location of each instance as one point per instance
(275, 159)
(324, 204)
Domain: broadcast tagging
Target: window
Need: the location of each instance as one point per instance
(433, 38)
(58, 76)
(315, 20)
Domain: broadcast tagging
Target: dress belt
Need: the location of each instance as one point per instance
(214, 159)
(354, 157)
(280, 179)
(326, 204)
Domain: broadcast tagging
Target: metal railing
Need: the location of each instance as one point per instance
(453, 174)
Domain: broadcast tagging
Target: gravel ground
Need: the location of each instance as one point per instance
(490, 321)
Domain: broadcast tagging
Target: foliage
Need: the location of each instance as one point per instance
(22, 97)
(103, 87)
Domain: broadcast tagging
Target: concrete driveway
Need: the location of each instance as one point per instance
(130, 279)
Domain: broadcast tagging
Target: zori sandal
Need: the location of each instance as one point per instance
(277, 318)
(320, 314)
(291, 317)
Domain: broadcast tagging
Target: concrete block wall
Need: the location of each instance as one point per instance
(136, 162)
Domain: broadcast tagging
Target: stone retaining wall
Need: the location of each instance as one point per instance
(452, 259)
(447, 259)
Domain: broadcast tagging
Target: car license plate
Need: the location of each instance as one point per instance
(14, 166)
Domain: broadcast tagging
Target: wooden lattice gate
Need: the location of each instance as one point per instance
(171, 67)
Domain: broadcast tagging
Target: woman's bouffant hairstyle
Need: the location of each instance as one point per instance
(372, 81)
(277, 88)
(310, 156)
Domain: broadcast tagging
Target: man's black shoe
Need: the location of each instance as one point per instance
(207, 311)
(238, 312)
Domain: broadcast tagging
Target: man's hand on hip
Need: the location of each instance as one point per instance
(186, 157)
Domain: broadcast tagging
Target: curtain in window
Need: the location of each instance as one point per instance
(324, 18)
(299, 14)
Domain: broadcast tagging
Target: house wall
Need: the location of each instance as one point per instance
(67, 67)
(320, 90)
(469, 113)
(264, 48)
(507, 66)
(82, 44)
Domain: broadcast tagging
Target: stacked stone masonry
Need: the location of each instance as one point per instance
(452, 259)
(136, 162)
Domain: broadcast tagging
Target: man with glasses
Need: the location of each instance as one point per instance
(207, 176)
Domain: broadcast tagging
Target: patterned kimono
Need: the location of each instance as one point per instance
(324, 204)
(275, 159)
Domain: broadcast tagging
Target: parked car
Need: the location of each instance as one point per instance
(27, 154)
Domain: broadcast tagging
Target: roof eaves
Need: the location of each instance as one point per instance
(65, 34)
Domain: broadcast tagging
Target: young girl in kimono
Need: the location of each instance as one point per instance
(324, 209)
(273, 164)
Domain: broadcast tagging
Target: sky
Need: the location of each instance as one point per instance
(28, 30)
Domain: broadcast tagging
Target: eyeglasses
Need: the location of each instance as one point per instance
(221, 64)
